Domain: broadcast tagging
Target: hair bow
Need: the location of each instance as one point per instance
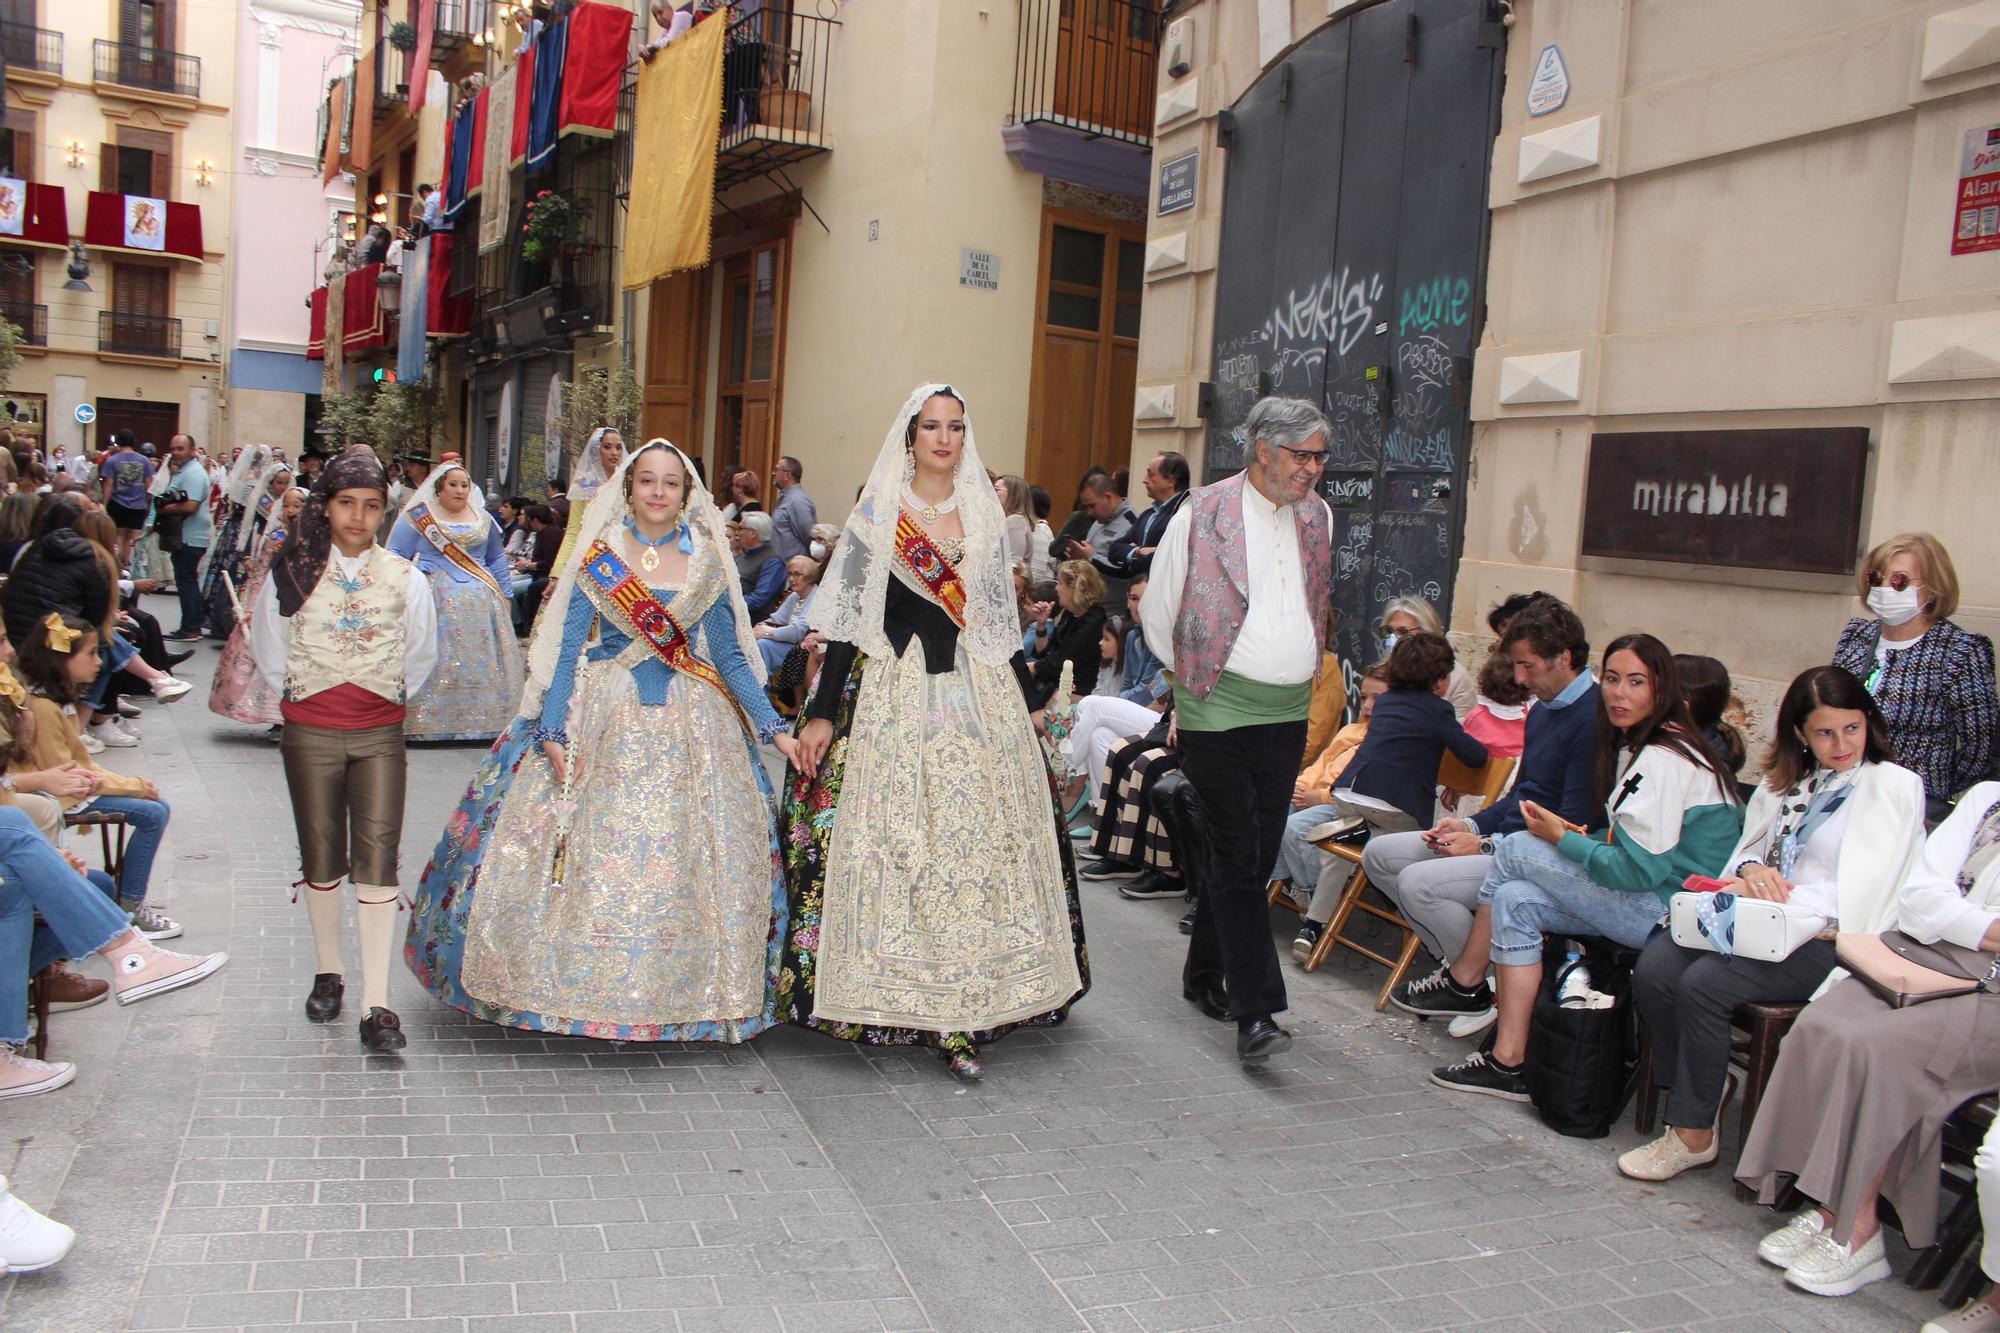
(61, 637)
(10, 688)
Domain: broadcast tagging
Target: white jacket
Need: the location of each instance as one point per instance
(1932, 907)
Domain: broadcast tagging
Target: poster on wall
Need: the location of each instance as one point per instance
(13, 205)
(1976, 226)
(145, 223)
(26, 414)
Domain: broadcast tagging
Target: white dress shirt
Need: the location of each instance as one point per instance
(271, 633)
(1278, 644)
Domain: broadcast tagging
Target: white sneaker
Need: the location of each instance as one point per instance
(22, 1077)
(114, 734)
(29, 1242)
(1789, 1241)
(1828, 1268)
(169, 688)
(141, 970)
(126, 708)
(1471, 1025)
(92, 745)
(1666, 1157)
(150, 921)
(1980, 1316)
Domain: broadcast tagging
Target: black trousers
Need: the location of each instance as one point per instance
(1244, 778)
(1686, 997)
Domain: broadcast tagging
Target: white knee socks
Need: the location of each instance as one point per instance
(323, 909)
(376, 911)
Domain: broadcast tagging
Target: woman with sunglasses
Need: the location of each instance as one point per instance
(1932, 679)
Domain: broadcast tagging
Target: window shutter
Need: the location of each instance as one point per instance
(107, 167)
(163, 175)
(24, 154)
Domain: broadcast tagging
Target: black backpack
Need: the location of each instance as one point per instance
(1581, 1062)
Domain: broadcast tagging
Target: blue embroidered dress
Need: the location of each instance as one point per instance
(473, 693)
(663, 921)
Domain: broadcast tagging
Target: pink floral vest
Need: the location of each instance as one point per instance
(1216, 597)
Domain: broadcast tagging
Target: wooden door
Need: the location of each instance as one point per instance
(676, 336)
(753, 340)
(1086, 349)
(1106, 53)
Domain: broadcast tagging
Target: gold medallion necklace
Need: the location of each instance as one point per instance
(649, 558)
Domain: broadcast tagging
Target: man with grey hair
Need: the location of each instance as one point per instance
(792, 521)
(1237, 610)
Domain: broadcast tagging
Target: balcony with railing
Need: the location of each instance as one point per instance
(138, 335)
(776, 64)
(32, 321)
(572, 290)
(1085, 74)
(456, 24)
(392, 76)
(31, 50)
(129, 65)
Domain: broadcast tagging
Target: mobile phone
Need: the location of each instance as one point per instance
(1705, 884)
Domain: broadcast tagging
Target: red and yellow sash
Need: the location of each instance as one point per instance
(929, 567)
(425, 522)
(650, 622)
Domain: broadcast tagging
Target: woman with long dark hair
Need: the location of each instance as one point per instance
(1832, 830)
(1673, 813)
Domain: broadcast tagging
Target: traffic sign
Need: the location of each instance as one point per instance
(85, 414)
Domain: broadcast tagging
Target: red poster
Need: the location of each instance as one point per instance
(1976, 226)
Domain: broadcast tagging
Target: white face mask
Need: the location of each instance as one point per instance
(1389, 642)
(1895, 608)
(817, 550)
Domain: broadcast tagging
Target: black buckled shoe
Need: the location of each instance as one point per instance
(323, 1005)
(1260, 1041)
(1211, 1000)
(382, 1031)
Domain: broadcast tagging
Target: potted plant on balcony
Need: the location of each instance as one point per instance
(552, 222)
(403, 36)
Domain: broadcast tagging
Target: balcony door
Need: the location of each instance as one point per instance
(146, 34)
(677, 333)
(1106, 55)
(753, 340)
(1087, 348)
(140, 296)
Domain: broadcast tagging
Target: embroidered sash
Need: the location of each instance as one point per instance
(642, 615)
(930, 569)
(425, 522)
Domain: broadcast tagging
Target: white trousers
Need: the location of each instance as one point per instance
(1986, 1166)
(1101, 721)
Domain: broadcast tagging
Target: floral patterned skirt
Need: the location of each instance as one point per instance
(240, 691)
(664, 922)
(942, 881)
(218, 610)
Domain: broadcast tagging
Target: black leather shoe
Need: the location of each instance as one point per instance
(1187, 922)
(382, 1031)
(1262, 1040)
(323, 1005)
(175, 659)
(1211, 1000)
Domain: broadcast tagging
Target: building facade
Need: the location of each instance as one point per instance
(117, 141)
(1622, 345)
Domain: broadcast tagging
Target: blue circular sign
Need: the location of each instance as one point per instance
(85, 414)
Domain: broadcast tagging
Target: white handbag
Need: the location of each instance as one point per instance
(1759, 929)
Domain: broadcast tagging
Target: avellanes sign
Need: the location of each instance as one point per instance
(1756, 499)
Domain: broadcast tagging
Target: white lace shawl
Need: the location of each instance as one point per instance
(852, 595)
(427, 494)
(261, 493)
(605, 513)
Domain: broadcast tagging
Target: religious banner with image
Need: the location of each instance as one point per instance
(145, 223)
(13, 205)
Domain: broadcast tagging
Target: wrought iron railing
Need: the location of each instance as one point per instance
(777, 65)
(138, 335)
(31, 320)
(458, 21)
(1090, 65)
(39, 49)
(392, 74)
(133, 66)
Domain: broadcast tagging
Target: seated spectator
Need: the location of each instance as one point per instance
(1328, 710)
(757, 564)
(1141, 681)
(1707, 684)
(1111, 520)
(17, 518)
(1983, 1314)
(1854, 1110)
(1038, 605)
(1833, 829)
(1077, 526)
(824, 537)
(1499, 720)
(1075, 636)
(1131, 838)
(743, 492)
(1414, 615)
(786, 627)
(1111, 655)
(1392, 781)
(538, 564)
(1933, 679)
(1434, 878)
(1041, 541)
(1672, 812)
(1303, 866)
(58, 663)
(1103, 719)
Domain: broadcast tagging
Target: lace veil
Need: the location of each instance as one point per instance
(855, 589)
(606, 512)
(590, 474)
(427, 494)
(260, 502)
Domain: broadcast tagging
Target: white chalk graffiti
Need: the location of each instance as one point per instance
(1336, 310)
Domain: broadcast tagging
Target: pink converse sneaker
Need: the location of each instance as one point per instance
(22, 1077)
(139, 969)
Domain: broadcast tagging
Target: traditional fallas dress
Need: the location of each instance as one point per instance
(472, 694)
(933, 891)
(240, 691)
(645, 902)
(248, 501)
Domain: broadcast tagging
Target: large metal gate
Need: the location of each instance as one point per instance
(1352, 261)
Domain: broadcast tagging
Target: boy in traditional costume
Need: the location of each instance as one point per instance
(347, 631)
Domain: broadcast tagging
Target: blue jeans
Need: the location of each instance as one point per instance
(1534, 890)
(78, 919)
(187, 584)
(111, 659)
(148, 823)
(1298, 860)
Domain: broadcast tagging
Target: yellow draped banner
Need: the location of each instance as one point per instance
(677, 126)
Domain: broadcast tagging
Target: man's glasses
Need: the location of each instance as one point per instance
(1896, 582)
(1309, 457)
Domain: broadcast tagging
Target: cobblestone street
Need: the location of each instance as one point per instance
(229, 1165)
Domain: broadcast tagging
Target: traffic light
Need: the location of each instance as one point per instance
(383, 375)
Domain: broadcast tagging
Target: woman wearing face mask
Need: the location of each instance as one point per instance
(1932, 679)
(1410, 615)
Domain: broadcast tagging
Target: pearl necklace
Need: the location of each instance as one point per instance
(931, 513)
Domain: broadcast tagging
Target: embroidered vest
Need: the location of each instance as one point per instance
(350, 631)
(1216, 597)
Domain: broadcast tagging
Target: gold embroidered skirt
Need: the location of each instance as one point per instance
(945, 907)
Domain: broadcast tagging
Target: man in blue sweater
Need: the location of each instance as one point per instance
(1434, 876)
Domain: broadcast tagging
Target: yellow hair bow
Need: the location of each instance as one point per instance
(61, 637)
(10, 688)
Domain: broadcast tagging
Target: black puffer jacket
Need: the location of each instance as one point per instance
(58, 573)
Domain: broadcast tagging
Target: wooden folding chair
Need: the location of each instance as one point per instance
(113, 844)
(1486, 782)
